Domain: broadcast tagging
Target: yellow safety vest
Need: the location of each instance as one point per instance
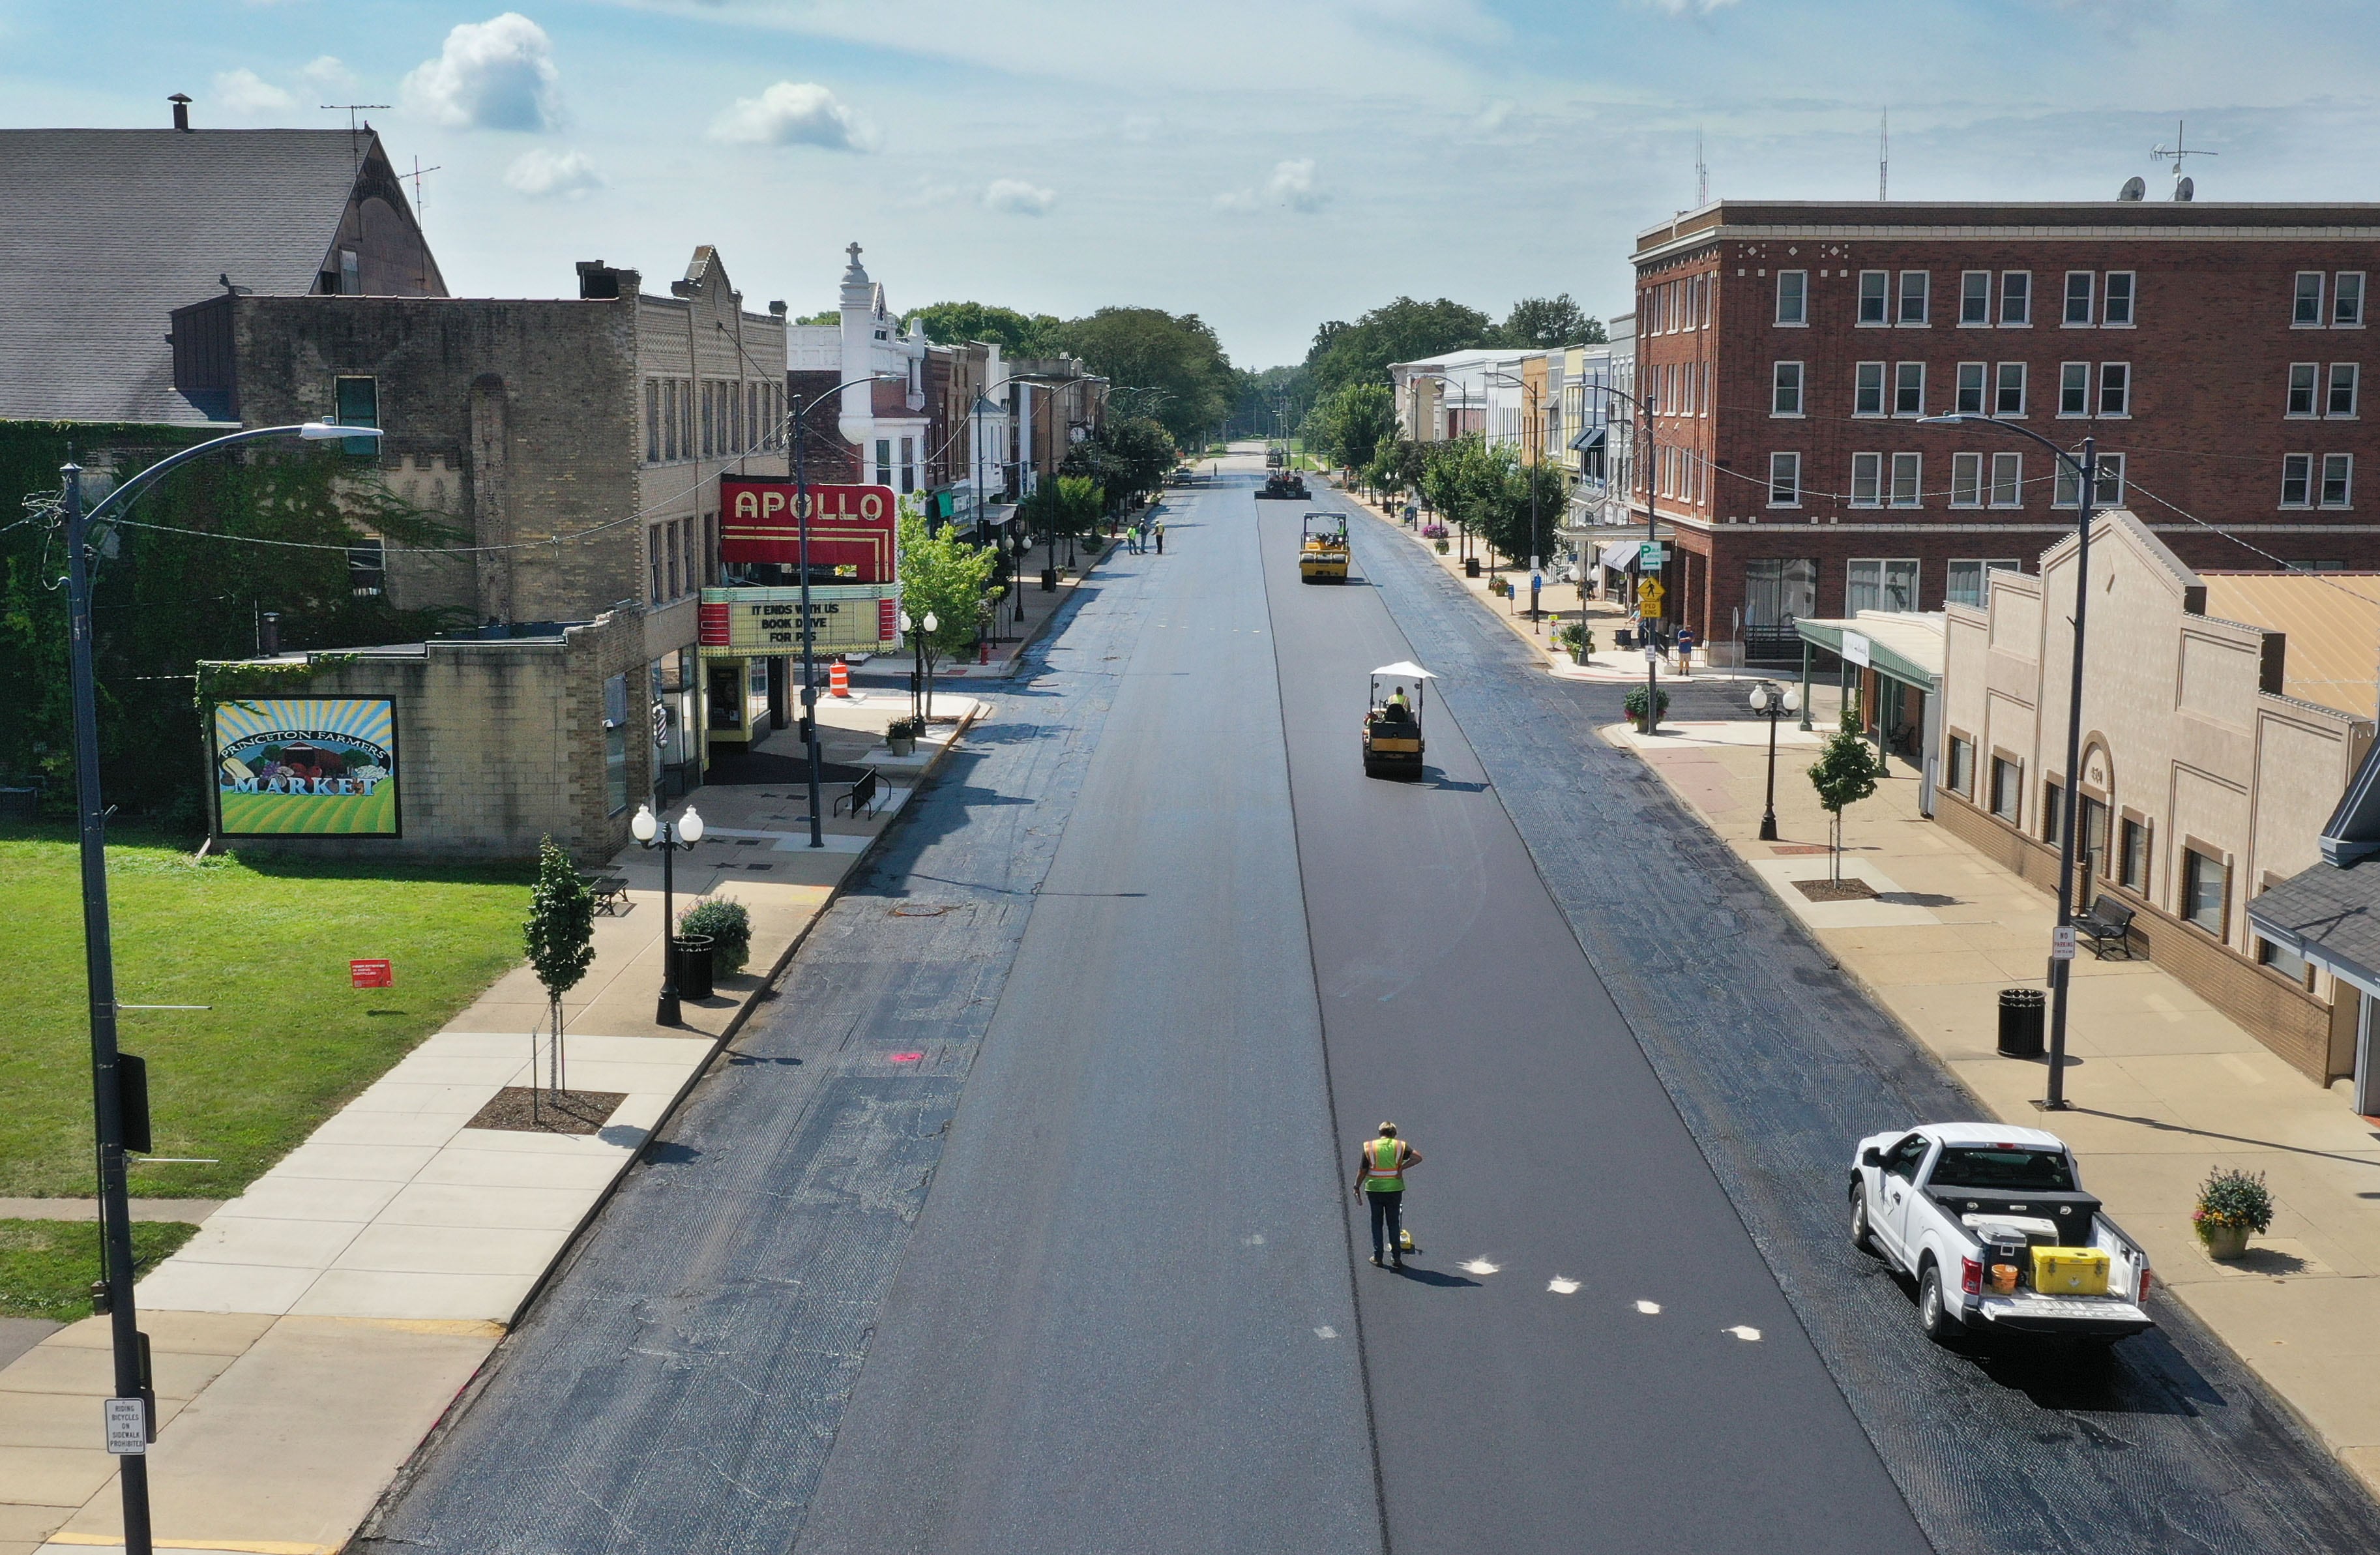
(1387, 1160)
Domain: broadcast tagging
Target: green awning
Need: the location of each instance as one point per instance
(1898, 646)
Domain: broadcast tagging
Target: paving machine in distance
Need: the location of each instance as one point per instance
(1392, 745)
(1322, 556)
(1284, 485)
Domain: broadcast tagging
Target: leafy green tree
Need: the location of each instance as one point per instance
(1348, 426)
(1400, 330)
(1541, 324)
(1261, 398)
(1018, 335)
(1148, 347)
(1847, 770)
(948, 579)
(560, 942)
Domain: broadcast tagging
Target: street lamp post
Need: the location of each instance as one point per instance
(1772, 703)
(651, 832)
(1653, 538)
(2061, 945)
(107, 1067)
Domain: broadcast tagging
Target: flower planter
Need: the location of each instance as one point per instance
(901, 745)
(2224, 1243)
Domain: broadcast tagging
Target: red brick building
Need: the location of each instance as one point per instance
(2215, 351)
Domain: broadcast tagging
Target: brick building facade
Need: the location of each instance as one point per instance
(2215, 352)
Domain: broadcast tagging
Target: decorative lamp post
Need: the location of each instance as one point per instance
(651, 831)
(1773, 702)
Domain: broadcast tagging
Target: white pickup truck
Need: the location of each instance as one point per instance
(1960, 1207)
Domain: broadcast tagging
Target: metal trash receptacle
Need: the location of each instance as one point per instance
(691, 953)
(2022, 1014)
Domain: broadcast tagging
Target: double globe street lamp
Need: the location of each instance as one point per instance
(1773, 702)
(651, 831)
(918, 632)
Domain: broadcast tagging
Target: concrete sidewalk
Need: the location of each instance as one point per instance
(321, 1323)
(2165, 1087)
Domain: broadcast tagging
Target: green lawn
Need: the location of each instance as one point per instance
(47, 1266)
(267, 943)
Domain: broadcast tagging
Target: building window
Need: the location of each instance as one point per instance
(2007, 480)
(2115, 388)
(669, 417)
(358, 403)
(2343, 380)
(1793, 297)
(908, 464)
(368, 568)
(2302, 387)
(2074, 389)
(1975, 297)
(1966, 482)
(2206, 891)
(1962, 766)
(654, 594)
(2116, 307)
(2008, 397)
(2008, 785)
(652, 420)
(1916, 287)
(709, 418)
(351, 281)
(2106, 492)
(2053, 811)
(1906, 469)
(1908, 388)
(2132, 856)
(676, 538)
(1879, 583)
(884, 461)
(1867, 480)
(2286, 962)
(2338, 479)
(2346, 300)
(1784, 480)
(686, 414)
(1780, 590)
(2078, 298)
(1785, 389)
(1874, 296)
(2297, 481)
(2306, 312)
(1867, 389)
(2016, 298)
(1969, 582)
(1971, 388)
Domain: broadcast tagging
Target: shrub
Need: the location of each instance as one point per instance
(730, 928)
(2234, 1198)
(1635, 702)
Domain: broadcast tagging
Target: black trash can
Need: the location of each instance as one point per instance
(1048, 580)
(691, 953)
(2022, 1012)
(1470, 567)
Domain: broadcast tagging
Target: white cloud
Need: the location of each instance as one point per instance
(244, 92)
(492, 75)
(1018, 197)
(1492, 118)
(1700, 7)
(1292, 184)
(543, 174)
(795, 114)
(328, 73)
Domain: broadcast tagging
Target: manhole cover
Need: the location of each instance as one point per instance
(919, 909)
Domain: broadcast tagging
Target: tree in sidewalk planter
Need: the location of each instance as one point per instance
(1846, 772)
(728, 925)
(560, 939)
(948, 579)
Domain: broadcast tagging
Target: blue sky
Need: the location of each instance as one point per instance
(1266, 163)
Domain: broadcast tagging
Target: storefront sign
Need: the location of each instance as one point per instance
(1855, 649)
(300, 765)
(850, 526)
(767, 622)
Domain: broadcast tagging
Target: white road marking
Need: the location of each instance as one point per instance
(1326, 1331)
(1561, 1286)
(1253, 1241)
(1743, 1331)
(1650, 1308)
(1477, 1265)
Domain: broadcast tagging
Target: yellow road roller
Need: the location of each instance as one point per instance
(1322, 553)
(1393, 743)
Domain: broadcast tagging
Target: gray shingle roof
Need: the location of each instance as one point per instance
(105, 232)
(2327, 914)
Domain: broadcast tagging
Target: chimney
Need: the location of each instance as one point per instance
(778, 310)
(596, 281)
(181, 102)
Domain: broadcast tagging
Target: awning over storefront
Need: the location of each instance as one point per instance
(1620, 555)
(1905, 645)
(1590, 439)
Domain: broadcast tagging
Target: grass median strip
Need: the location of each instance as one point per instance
(47, 1266)
(266, 942)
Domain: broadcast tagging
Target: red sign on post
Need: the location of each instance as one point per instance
(850, 526)
(370, 974)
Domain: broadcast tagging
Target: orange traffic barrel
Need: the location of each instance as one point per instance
(838, 679)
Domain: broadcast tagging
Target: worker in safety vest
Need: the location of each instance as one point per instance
(1380, 1171)
(1404, 707)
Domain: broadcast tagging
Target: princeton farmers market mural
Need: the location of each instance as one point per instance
(286, 765)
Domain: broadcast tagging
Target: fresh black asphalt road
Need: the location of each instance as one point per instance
(1020, 1220)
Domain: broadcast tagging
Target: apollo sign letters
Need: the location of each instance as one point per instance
(850, 526)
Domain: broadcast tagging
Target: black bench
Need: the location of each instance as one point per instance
(858, 795)
(609, 891)
(2108, 926)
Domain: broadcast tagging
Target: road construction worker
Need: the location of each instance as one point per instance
(1397, 700)
(1381, 1173)
(1157, 528)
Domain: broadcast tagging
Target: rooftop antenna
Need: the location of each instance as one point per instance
(1883, 153)
(1702, 174)
(2180, 184)
(355, 156)
(418, 174)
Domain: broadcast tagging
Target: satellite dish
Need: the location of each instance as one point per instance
(2134, 189)
(2183, 189)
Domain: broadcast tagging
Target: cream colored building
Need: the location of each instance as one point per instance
(2223, 716)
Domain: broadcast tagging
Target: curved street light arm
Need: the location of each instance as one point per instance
(121, 498)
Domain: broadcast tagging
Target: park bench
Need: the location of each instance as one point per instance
(860, 794)
(611, 892)
(2109, 925)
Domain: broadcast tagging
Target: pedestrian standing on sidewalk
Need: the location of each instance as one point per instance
(1380, 1174)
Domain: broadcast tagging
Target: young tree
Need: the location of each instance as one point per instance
(560, 939)
(1541, 324)
(1846, 772)
(948, 579)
